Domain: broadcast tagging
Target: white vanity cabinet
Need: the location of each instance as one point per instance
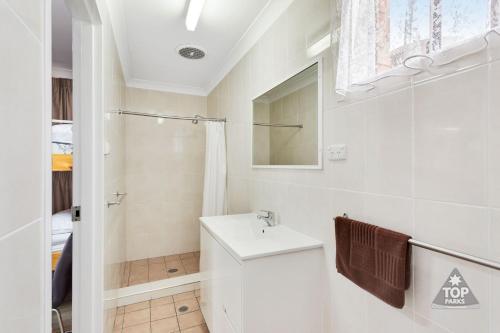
(256, 279)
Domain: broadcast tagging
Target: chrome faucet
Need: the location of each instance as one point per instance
(268, 217)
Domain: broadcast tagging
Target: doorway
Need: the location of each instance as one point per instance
(74, 290)
(62, 167)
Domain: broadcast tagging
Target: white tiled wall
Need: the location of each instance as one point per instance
(164, 174)
(422, 160)
(21, 110)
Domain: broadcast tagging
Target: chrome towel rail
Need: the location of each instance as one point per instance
(460, 255)
(456, 254)
(119, 197)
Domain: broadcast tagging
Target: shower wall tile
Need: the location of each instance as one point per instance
(164, 166)
(114, 226)
(421, 160)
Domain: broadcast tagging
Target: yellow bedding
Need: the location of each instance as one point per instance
(62, 162)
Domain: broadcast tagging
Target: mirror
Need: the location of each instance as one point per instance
(286, 120)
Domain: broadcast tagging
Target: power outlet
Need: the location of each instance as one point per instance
(337, 152)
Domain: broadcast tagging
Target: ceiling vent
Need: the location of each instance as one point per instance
(191, 52)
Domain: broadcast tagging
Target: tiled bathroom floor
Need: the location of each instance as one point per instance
(172, 314)
(159, 268)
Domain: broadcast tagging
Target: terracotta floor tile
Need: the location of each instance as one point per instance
(191, 319)
(183, 296)
(137, 270)
(158, 276)
(164, 316)
(156, 260)
(191, 269)
(168, 325)
(142, 328)
(139, 276)
(196, 329)
(157, 267)
(162, 311)
(175, 265)
(153, 269)
(162, 301)
(157, 272)
(119, 321)
(138, 263)
(137, 306)
(190, 261)
(174, 257)
(139, 280)
(136, 318)
(186, 255)
(191, 304)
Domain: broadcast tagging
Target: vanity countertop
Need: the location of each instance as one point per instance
(246, 237)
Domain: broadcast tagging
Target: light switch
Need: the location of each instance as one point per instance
(337, 152)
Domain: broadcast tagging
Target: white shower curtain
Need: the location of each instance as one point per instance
(214, 190)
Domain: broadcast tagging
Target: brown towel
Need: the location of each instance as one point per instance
(376, 259)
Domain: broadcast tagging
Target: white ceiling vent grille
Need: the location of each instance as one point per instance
(191, 52)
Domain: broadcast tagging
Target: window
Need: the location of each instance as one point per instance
(392, 40)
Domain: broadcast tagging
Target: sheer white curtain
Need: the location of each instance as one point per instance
(214, 190)
(385, 42)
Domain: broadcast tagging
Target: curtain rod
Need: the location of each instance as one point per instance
(194, 119)
(278, 125)
(452, 253)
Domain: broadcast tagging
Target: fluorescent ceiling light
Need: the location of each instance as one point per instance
(194, 13)
(319, 46)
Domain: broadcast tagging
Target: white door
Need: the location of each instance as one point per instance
(87, 171)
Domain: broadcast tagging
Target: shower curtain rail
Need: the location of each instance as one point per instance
(194, 119)
(278, 125)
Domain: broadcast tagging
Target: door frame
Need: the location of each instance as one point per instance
(88, 161)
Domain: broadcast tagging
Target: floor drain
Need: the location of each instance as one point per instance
(183, 308)
(172, 270)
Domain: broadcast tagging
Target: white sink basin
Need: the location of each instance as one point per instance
(246, 237)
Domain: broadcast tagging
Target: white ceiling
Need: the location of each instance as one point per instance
(149, 32)
(61, 35)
